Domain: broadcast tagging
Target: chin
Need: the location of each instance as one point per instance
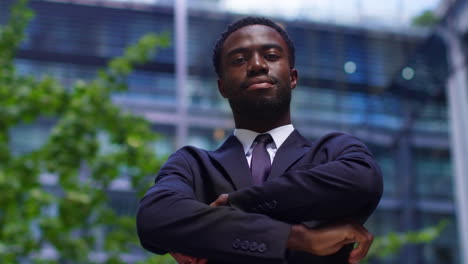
(260, 108)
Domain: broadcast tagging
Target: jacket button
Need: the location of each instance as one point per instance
(253, 246)
(245, 245)
(236, 243)
(262, 247)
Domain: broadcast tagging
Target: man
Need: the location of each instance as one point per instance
(275, 198)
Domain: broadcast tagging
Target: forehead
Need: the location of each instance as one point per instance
(253, 35)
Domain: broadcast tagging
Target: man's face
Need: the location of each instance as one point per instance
(256, 75)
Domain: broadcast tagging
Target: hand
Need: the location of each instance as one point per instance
(329, 239)
(184, 259)
(221, 200)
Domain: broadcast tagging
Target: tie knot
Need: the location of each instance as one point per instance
(264, 138)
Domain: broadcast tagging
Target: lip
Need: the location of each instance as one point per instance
(258, 86)
(260, 83)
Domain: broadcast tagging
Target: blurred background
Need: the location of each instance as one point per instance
(390, 72)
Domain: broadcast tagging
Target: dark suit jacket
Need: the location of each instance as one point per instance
(333, 178)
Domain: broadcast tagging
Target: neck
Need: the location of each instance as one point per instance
(262, 125)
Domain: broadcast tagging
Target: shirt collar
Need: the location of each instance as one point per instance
(247, 137)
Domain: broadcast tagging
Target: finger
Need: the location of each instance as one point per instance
(183, 259)
(215, 203)
(369, 238)
(224, 199)
(364, 240)
(336, 247)
(177, 257)
(200, 261)
(360, 252)
(195, 260)
(190, 260)
(221, 200)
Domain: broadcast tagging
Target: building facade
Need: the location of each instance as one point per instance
(386, 87)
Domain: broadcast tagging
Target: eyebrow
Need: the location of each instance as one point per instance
(263, 47)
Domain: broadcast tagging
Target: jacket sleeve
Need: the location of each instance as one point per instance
(170, 218)
(341, 180)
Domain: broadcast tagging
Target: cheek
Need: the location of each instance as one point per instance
(284, 77)
(281, 70)
(234, 77)
(230, 85)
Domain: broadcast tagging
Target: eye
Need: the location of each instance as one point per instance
(271, 57)
(238, 60)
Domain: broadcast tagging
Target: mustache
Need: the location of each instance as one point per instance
(245, 84)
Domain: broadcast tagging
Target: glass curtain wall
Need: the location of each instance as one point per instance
(366, 82)
(384, 86)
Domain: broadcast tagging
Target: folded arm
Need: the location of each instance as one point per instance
(322, 241)
(171, 219)
(342, 180)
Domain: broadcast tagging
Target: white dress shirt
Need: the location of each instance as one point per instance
(247, 137)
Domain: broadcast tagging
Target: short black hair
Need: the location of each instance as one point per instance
(247, 21)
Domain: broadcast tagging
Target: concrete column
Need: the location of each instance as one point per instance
(457, 96)
(180, 29)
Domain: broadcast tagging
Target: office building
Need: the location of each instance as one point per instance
(385, 86)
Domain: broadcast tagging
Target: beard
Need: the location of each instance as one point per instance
(262, 108)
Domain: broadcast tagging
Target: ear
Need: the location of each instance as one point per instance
(221, 89)
(293, 75)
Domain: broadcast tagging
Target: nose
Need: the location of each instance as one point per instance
(257, 65)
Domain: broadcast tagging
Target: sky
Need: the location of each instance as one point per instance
(392, 13)
(366, 13)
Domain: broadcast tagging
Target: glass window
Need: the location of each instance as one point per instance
(165, 144)
(432, 118)
(444, 249)
(66, 73)
(207, 138)
(433, 171)
(204, 95)
(385, 157)
(150, 89)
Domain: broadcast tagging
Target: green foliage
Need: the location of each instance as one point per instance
(392, 243)
(166, 259)
(426, 19)
(68, 215)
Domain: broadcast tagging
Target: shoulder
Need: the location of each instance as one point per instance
(188, 153)
(330, 139)
(193, 155)
(337, 143)
(184, 161)
(338, 138)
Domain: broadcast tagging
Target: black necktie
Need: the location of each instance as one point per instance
(260, 164)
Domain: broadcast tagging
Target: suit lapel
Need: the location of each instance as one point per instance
(293, 148)
(231, 157)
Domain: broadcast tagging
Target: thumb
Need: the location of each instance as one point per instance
(221, 200)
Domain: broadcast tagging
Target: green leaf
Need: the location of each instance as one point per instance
(67, 215)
